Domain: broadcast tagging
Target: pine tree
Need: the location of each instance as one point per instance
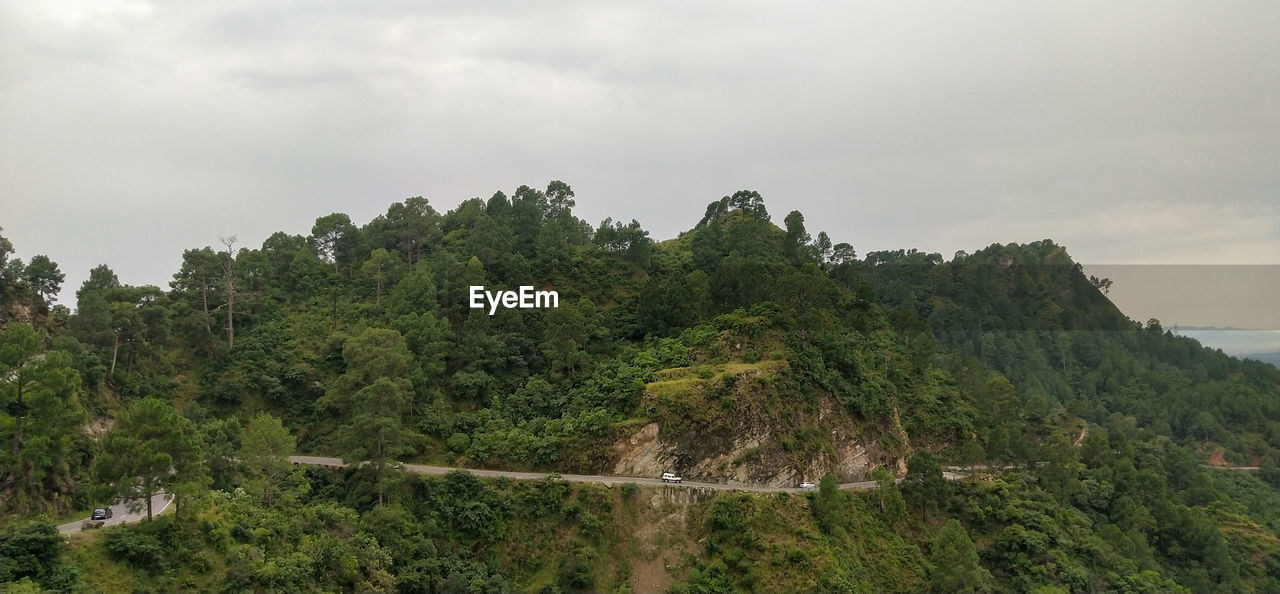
(150, 450)
(955, 562)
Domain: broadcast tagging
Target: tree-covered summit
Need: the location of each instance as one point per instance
(742, 351)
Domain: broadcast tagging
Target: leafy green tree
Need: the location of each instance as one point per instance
(9, 279)
(823, 247)
(101, 278)
(699, 286)
(796, 239)
(383, 269)
(971, 455)
(1059, 467)
(807, 291)
(6, 249)
(92, 323)
(40, 416)
(892, 505)
(925, 482)
(195, 292)
(552, 247)
(490, 241)
(843, 253)
(123, 325)
(220, 443)
(292, 268)
(1002, 417)
(30, 555)
(955, 562)
(559, 197)
(43, 276)
(373, 397)
(1102, 284)
(151, 449)
(265, 450)
(331, 238)
(411, 228)
(827, 503)
(630, 240)
(570, 328)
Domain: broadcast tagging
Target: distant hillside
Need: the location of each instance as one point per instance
(1271, 358)
(742, 351)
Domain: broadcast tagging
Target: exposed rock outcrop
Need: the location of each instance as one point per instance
(753, 451)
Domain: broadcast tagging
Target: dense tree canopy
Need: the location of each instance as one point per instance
(1086, 440)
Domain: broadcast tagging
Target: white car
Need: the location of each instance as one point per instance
(807, 486)
(670, 477)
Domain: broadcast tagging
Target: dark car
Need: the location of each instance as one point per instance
(100, 513)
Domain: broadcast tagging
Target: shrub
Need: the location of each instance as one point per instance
(31, 551)
(151, 546)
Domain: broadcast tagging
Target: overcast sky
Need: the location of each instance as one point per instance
(1131, 132)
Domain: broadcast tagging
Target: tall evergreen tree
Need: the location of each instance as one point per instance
(151, 449)
(372, 398)
(955, 562)
(265, 450)
(40, 416)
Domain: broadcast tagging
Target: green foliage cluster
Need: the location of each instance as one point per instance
(40, 420)
(31, 558)
(449, 533)
(26, 288)
(827, 541)
(1028, 313)
(1081, 436)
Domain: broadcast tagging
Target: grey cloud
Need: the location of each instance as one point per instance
(1134, 132)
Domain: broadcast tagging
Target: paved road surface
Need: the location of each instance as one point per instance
(575, 478)
(120, 513)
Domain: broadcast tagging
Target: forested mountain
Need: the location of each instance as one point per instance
(740, 352)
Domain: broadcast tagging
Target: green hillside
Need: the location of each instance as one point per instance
(1083, 445)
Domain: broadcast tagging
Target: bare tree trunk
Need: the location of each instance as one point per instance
(231, 307)
(204, 303)
(115, 352)
(229, 277)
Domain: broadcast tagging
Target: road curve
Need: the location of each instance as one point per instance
(577, 478)
(121, 514)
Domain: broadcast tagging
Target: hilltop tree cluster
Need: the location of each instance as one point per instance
(1078, 436)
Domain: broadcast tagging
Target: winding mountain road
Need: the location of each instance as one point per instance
(577, 478)
(122, 514)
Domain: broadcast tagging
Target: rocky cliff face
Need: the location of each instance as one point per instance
(754, 449)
